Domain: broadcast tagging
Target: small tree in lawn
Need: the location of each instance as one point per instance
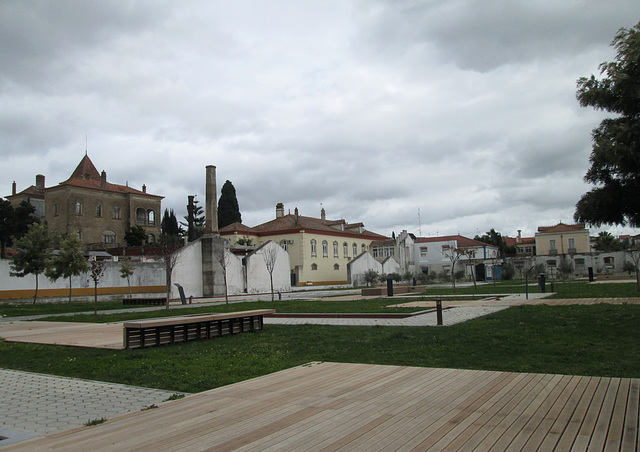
(96, 270)
(470, 255)
(69, 261)
(33, 254)
(634, 254)
(453, 253)
(126, 270)
(371, 277)
(270, 256)
(170, 249)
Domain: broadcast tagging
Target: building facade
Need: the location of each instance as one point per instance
(319, 249)
(97, 211)
(562, 239)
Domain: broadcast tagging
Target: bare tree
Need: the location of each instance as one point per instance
(170, 253)
(126, 270)
(270, 256)
(96, 270)
(470, 254)
(453, 253)
(224, 259)
(634, 253)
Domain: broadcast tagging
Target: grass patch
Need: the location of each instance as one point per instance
(599, 340)
(13, 309)
(95, 422)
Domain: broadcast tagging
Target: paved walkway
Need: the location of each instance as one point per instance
(36, 404)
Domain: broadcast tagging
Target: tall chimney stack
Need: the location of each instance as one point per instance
(279, 210)
(323, 214)
(39, 182)
(14, 188)
(103, 179)
(211, 207)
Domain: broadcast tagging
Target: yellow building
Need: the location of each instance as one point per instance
(98, 212)
(562, 239)
(319, 249)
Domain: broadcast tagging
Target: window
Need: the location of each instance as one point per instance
(345, 249)
(314, 250)
(79, 234)
(551, 263)
(355, 250)
(151, 238)
(55, 210)
(325, 248)
(116, 213)
(140, 216)
(151, 217)
(579, 261)
(424, 251)
(314, 266)
(78, 208)
(98, 210)
(336, 267)
(608, 261)
(109, 237)
(335, 249)
(364, 248)
(572, 245)
(552, 244)
(283, 244)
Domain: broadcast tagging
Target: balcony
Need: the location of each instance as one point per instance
(553, 252)
(572, 251)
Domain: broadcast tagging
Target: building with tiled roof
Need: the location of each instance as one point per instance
(525, 246)
(97, 211)
(432, 256)
(562, 239)
(319, 249)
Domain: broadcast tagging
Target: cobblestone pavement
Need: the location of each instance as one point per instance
(35, 404)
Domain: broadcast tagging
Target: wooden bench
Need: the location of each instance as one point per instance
(145, 301)
(151, 333)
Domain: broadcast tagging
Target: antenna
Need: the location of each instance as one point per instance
(86, 145)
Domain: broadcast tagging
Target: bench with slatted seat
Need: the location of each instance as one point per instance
(154, 332)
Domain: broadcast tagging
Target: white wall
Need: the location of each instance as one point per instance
(258, 280)
(188, 271)
(390, 266)
(236, 274)
(359, 266)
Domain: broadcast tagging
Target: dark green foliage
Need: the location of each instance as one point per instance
(14, 222)
(371, 277)
(494, 238)
(32, 257)
(228, 209)
(169, 225)
(135, 236)
(615, 156)
(606, 242)
(459, 275)
(246, 241)
(565, 269)
(508, 271)
(195, 226)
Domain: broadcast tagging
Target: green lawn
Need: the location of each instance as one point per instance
(599, 340)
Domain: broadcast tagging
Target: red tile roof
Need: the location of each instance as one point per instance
(289, 224)
(561, 227)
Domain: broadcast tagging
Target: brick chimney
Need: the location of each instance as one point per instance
(279, 210)
(211, 207)
(296, 216)
(323, 214)
(519, 239)
(39, 182)
(144, 187)
(103, 179)
(14, 188)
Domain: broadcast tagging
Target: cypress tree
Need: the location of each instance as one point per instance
(228, 209)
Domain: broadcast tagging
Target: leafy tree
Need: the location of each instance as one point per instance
(615, 155)
(126, 270)
(371, 277)
(494, 238)
(69, 261)
(453, 253)
(245, 241)
(228, 209)
(135, 236)
(169, 224)
(408, 277)
(606, 242)
(33, 254)
(195, 225)
(14, 222)
(565, 269)
(508, 271)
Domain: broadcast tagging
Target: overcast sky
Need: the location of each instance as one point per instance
(461, 113)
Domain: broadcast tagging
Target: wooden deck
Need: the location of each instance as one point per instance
(358, 407)
(93, 335)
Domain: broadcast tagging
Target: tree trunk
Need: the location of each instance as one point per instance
(129, 284)
(453, 276)
(167, 271)
(69, 289)
(226, 291)
(271, 280)
(95, 297)
(35, 295)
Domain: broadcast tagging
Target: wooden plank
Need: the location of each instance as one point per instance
(616, 424)
(599, 436)
(589, 418)
(630, 437)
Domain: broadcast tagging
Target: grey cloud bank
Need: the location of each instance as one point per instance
(464, 110)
